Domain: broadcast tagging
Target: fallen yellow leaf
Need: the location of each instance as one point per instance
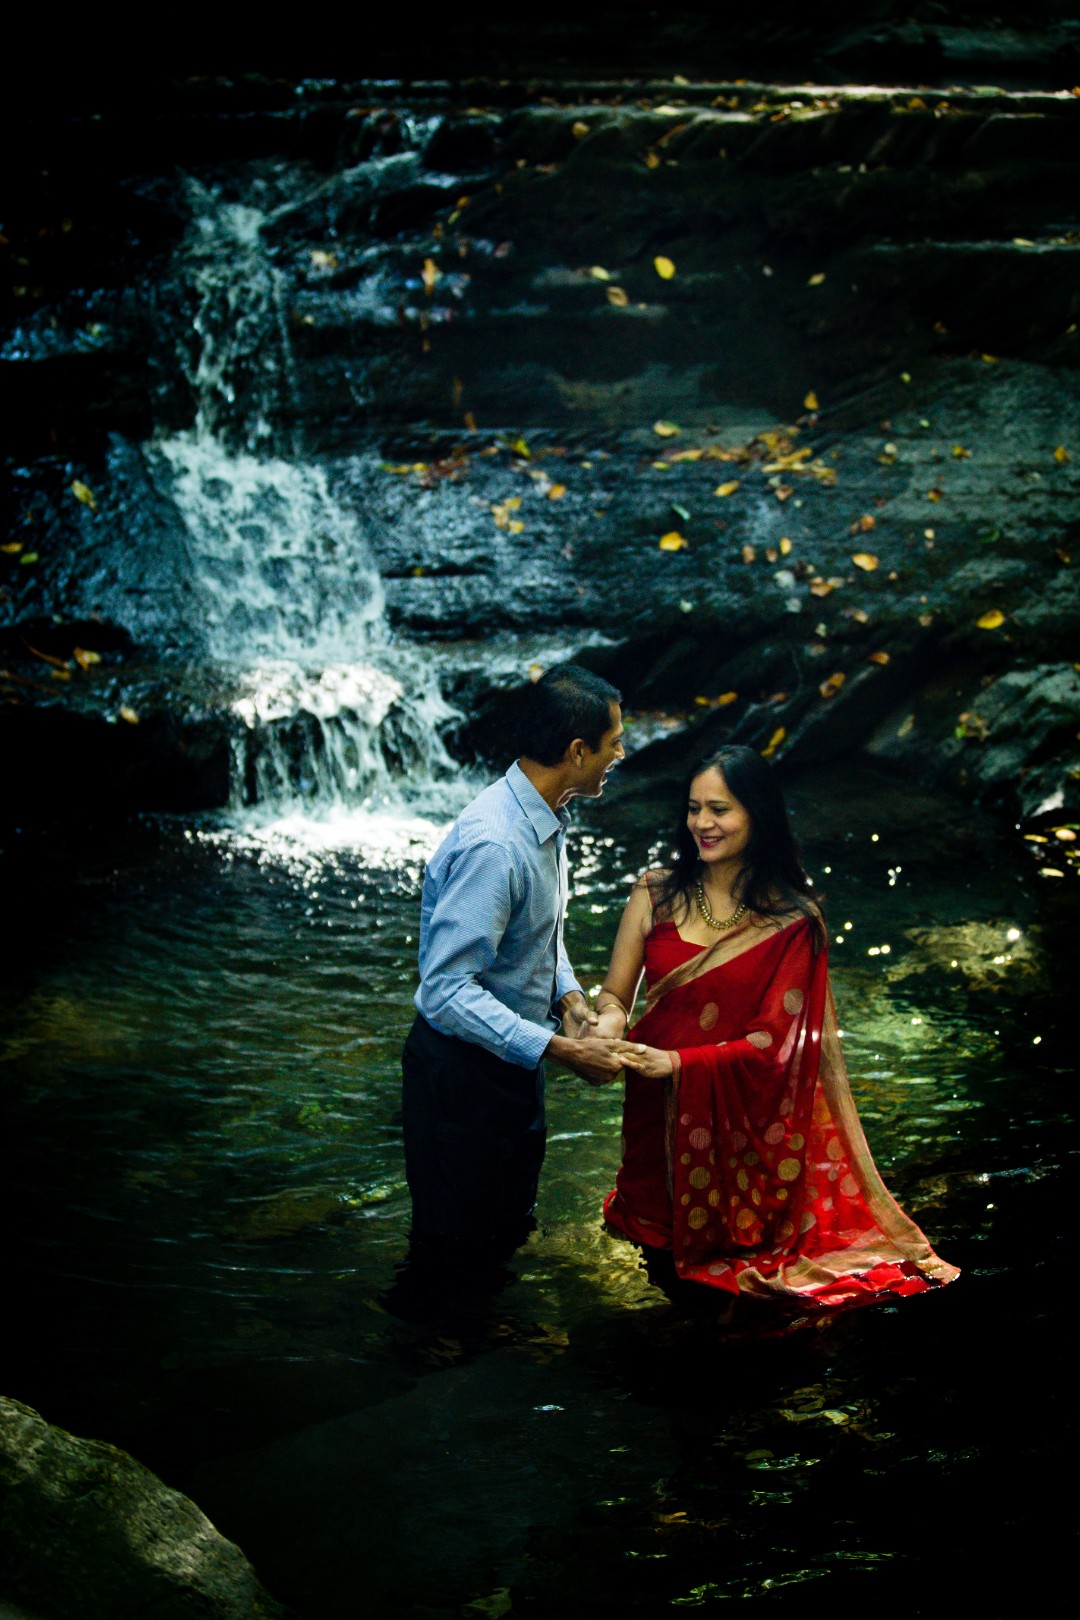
(727, 489)
(129, 715)
(556, 492)
(748, 554)
(13, 548)
(1061, 454)
(664, 268)
(859, 615)
(430, 275)
(83, 492)
(774, 742)
(960, 454)
(673, 541)
(933, 494)
(865, 560)
(666, 430)
(84, 657)
(28, 557)
(515, 525)
(785, 546)
(616, 296)
(725, 698)
(652, 158)
(321, 260)
(832, 685)
(991, 620)
(878, 658)
(600, 274)
(1066, 834)
(579, 128)
(810, 403)
(863, 525)
(661, 466)
(823, 587)
(535, 671)
(815, 281)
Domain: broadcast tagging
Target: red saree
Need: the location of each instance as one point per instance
(750, 1162)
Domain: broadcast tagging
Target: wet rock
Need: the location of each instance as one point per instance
(403, 348)
(285, 1213)
(86, 1532)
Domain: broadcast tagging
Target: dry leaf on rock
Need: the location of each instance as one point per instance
(865, 560)
(991, 620)
(673, 541)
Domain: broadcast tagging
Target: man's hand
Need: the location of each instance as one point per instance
(578, 1018)
(593, 1059)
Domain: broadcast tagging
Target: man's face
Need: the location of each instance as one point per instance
(596, 763)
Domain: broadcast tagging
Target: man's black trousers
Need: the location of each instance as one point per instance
(474, 1138)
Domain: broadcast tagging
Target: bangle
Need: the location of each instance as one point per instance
(613, 1002)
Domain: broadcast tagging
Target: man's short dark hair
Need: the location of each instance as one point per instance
(567, 701)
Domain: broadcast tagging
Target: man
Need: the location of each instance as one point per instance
(494, 976)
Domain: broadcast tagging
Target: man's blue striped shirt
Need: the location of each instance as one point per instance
(492, 959)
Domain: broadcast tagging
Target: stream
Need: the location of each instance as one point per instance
(200, 1047)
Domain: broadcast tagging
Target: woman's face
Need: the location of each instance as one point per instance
(718, 823)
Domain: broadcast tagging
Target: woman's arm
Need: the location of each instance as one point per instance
(615, 1003)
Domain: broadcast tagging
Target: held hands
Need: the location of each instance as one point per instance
(650, 1061)
(593, 1059)
(578, 1018)
(610, 1023)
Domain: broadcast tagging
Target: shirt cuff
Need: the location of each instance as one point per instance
(528, 1044)
(563, 987)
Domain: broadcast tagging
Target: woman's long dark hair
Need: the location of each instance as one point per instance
(773, 881)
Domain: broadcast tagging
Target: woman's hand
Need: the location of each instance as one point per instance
(610, 1023)
(647, 1060)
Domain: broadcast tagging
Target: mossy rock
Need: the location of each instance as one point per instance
(87, 1532)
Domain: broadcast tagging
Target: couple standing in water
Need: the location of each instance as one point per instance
(745, 1169)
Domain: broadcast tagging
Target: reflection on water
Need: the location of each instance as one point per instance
(200, 1065)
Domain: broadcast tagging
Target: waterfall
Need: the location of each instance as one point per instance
(328, 710)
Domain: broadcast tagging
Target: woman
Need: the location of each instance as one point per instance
(742, 1151)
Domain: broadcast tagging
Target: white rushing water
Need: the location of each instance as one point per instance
(332, 717)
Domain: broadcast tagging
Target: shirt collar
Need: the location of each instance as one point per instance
(545, 821)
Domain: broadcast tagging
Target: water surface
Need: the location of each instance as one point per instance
(208, 1217)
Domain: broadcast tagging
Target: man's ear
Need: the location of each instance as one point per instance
(577, 751)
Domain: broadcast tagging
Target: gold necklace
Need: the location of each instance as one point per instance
(718, 922)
